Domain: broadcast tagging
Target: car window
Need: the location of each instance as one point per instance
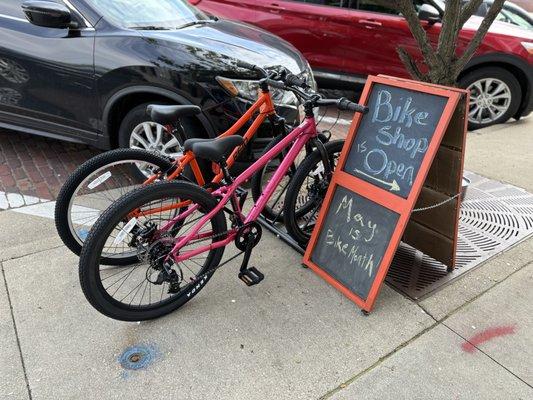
(148, 13)
(331, 3)
(364, 5)
(11, 8)
(375, 6)
(514, 18)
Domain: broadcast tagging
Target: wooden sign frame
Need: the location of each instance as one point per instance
(439, 241)
(382, 197)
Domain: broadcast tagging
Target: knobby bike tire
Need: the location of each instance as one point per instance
(65, 197)
(292, 210)
(89, 275)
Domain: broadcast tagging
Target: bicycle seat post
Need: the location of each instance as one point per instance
(224, 168)
(178, 131)
(236, 218)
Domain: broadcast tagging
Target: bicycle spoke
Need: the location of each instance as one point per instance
(132, 285)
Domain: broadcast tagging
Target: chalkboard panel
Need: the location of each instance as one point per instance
(353, 240)
(394, 136)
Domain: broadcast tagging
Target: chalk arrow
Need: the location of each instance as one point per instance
(394, 187)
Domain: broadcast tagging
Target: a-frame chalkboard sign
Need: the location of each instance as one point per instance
(382, 169)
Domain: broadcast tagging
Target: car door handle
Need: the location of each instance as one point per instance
(277, 7)
(370, 22)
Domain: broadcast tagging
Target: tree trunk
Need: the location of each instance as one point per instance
(442, 65)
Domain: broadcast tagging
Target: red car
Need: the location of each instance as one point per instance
(347, 40)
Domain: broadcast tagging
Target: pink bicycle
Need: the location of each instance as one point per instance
(178, 230)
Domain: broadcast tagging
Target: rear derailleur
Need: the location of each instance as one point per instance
(156, 254)
(161, 270)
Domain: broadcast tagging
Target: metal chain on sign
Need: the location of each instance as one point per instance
(437, 205)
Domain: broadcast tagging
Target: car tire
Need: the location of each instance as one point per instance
(495, 96)
(132, 123)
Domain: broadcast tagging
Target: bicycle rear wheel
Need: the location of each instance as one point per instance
(306, 193)
(94, 186)
(150, 288)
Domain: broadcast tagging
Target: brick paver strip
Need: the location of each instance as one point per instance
(37, 167)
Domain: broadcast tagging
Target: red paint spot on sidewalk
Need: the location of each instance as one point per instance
(486, 335)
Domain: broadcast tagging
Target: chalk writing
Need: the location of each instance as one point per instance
(394, 137)
(353, 239)
(402, 113)
(346, 205)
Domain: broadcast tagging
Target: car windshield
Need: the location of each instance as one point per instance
(149, 14)
(511, 13)
(512, 17)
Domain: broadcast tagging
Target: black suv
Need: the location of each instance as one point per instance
(84, 70)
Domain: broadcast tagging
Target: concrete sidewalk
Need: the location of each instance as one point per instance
(292, 337)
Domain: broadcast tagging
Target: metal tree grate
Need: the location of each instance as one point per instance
(494, 217)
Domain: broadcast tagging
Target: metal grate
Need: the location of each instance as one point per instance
(494, 217)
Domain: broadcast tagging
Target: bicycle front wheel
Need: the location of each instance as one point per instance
(155, 284)
(273, 210)
(94, 186)
(306, 193)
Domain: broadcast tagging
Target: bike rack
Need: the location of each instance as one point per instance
(494, 217)
(277, 228)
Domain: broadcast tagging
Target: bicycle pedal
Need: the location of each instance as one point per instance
(251, 276)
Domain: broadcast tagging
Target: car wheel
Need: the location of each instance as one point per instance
(495, 96)
(137, 131)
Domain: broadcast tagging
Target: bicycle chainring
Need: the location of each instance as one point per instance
(249, 232)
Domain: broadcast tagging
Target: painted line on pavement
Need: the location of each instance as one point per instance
(15, 200)
(37, 207)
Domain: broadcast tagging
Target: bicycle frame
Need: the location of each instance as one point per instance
(266, 109)
(300, 136)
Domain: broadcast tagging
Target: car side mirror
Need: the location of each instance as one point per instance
(428, 13)
(48, 14)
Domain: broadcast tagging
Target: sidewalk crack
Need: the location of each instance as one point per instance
(486, 354)
(435, 324)
(345, 384)
(16, 332)
(31, 254)
(476, 297)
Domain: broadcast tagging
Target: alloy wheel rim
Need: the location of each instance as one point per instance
(490, 99)
(154, 137)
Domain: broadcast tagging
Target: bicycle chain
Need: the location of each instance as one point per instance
(200, 277)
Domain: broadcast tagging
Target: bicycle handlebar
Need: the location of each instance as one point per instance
(251, 67)
(343, 104)
(277, 84)
(294, 84)
(293, 80)
(286, 78)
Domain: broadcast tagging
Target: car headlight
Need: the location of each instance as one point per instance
(310, 77)
(528, 46)
(249, 90)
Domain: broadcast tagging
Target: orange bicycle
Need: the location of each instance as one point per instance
(97, 183)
